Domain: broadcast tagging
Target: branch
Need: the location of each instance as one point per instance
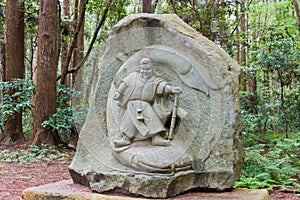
(75, 69)
(73, 43)
(173, 6)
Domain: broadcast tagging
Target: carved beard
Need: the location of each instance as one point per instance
(146, 75)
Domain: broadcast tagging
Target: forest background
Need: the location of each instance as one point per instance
(50, 53)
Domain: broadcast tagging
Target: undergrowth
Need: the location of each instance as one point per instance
(273, 165)
(33, 154)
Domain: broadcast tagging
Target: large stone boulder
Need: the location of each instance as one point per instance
(186, 136)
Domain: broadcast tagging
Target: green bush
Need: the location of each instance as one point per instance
(273, 165)
(34, 154)
(62, 121)
(21, 100)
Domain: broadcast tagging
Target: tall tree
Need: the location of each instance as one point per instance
(243, 45)
(297, 12)
(65, 35)
(14, 63)
(77, 27)
(47, 61)
(147, 6)
(2, 42)
(78, 52)
(77, 58)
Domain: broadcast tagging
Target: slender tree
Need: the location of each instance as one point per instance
(47, 61)
(297, 12)
(78, 52)
(243, 46)
(65, 35)
(2, 60)
(147, 6)
(73, 44)
(2, 42)
(14, 63)
(78, 56)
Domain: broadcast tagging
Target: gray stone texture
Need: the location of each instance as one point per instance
(210, 134)
(67, 190)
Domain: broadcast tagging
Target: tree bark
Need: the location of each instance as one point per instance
(79, 55)
(243, 47)
(147, 6)
(297, 12)
(47, 61)
(2, 62)
(64, 44)
(93, 40)
(74, 42)
(15, 67)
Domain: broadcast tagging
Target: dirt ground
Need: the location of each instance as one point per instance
(15, 177)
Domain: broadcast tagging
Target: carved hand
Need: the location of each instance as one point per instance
(116, 96)
(176, 90)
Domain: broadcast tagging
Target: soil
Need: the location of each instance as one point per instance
(16, 177)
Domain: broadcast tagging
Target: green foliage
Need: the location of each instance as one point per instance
(20, 100)
(33, 155)
(23, 99)
(63, 120)
(273, 165)
(263, 115)
(209, 18)
(95, 10)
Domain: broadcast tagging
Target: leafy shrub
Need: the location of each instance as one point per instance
(63, 120)
(23, 100)
(274, 165)
(35, 154)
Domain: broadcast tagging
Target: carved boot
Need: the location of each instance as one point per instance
(123, 141)
(157, 140)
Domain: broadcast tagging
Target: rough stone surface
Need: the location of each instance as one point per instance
(210, 134)
(67, 190)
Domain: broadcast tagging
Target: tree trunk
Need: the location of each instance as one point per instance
(78, 76)
(2, 47)
(147, 6)
(297, 12)
(73, 44)
(243, 48)
(2, 61)
(14, 63)
(47, 61)
(65, 35)
(79, 55)
(237, 34)
(34, 64)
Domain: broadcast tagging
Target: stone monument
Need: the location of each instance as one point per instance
(165, 115)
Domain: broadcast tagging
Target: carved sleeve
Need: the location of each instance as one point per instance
(122, 88)
(163, 88)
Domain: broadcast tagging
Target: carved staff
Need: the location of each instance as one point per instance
(173, 119)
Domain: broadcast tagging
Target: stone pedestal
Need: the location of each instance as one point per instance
(67, 190)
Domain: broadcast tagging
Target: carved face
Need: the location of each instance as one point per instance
(146, 70)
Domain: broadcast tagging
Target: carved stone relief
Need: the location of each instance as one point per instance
(165, 115)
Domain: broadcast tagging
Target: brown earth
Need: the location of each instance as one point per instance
(16, 177)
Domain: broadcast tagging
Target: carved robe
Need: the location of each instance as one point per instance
(143, 117)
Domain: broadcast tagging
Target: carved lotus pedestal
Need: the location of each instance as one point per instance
(116, 151)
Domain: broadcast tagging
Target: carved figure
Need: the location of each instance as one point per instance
(144, 116)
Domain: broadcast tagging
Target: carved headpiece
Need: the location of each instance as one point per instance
(145, 61)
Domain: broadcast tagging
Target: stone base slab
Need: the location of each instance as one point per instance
(67, 190)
